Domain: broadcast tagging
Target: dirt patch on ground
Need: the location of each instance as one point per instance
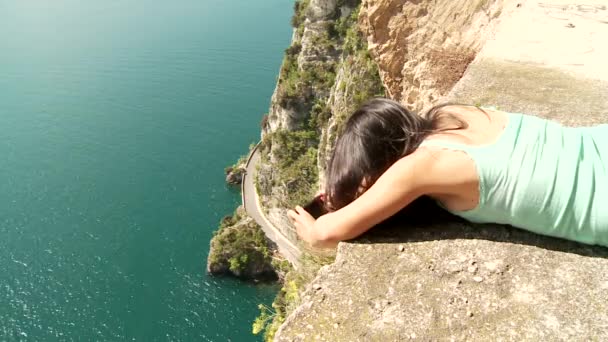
(448, 66)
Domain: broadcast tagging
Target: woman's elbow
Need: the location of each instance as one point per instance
(325, 234)
(329, 232)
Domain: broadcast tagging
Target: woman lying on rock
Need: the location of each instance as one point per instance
(484, 165)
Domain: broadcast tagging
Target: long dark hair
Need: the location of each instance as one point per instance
(375, 136)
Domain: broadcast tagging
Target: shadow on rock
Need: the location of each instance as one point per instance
(424, 220)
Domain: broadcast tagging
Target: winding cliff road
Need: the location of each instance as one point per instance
(251, 203)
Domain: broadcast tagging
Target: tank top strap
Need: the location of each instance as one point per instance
(447, 144)
(503, 144)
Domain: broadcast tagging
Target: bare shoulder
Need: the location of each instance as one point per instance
(438, 170)
(463, 108)
(476, 115)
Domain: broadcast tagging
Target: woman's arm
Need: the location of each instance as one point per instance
(407, 179)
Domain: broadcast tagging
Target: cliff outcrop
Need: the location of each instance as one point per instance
(423, 47)
(326, 73)
(452, 280)
(240, 248)
(234, 174)
(455, 281)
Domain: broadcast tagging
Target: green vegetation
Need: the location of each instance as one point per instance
(289, 297)
(264, 121)
(307, 88)
(240, 246)
(294, 49)
(371, 85)
(341, 25)
(353, 38)
(366, 82)
(241, 161)
(348, 3)
(298, 86)
(311, 82)
(299, 13)
(325, 41)
(289, 81)
(319, 115)
(296, 164)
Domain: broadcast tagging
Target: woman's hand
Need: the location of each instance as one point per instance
(304, 224)
(308, 228)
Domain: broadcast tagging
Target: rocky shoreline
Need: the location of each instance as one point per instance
(235, 173)
(240, 249)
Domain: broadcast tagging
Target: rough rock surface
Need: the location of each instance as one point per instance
(453, 280)
(423, 47)
(239, 248)
(464, 283)
(319, 14)
(317, 48)
(234, 175)
(353, 75)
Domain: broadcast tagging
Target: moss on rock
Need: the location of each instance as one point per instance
(290, 296)
(240, 248)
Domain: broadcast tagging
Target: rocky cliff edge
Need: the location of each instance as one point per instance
(453, 280)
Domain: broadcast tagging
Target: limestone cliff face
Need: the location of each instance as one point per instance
(291, 114)
(327, 72)
(423, 47)
(452, 280)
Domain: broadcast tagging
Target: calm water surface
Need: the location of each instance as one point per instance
(116, 121)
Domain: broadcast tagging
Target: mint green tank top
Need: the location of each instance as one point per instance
(543, 177)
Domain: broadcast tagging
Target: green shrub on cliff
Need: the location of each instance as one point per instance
(320, 76)
(319, 115)
(296, 164)
(239, 247)
(289, 81)
(341, 25)
(241, 161)
(306, 90)
(288, 298)
(353, 41)
(294, 49)
(297, 86)
(299, 12)
(366, 82)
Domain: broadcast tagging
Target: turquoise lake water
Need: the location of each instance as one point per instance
(117, 119)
